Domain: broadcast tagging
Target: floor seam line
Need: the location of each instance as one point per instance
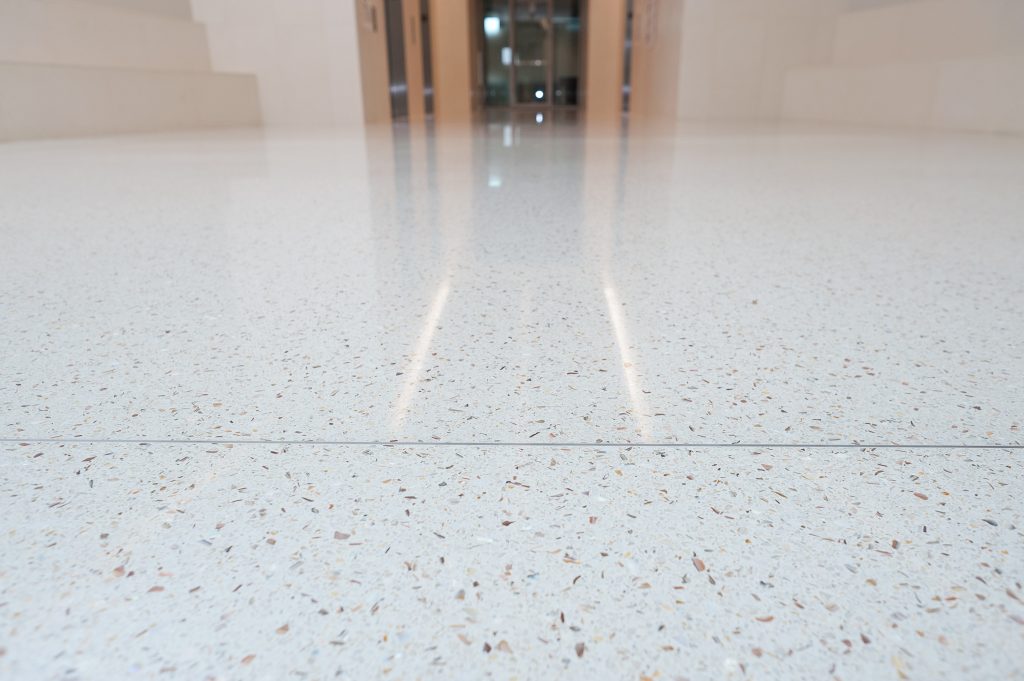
(443, 443)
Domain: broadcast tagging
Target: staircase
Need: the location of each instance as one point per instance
(96, 67)
(940, 64)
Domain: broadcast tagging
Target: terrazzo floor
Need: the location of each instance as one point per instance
(519, 401)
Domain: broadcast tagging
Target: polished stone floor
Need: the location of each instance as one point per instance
(518, 401)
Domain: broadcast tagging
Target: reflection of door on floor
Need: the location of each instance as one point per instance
(531, 52)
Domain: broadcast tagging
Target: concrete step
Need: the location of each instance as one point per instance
(929, 30)
(982, 95)
(178, 9)
(66, 101)
(97, 34)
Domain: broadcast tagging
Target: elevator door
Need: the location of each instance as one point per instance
(531, 52)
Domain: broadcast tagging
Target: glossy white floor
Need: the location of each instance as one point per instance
(516, 402)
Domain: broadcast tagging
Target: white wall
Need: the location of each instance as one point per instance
(304, 54)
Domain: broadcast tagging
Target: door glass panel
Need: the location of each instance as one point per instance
(531, 51)
(497, 52)
(565, 21)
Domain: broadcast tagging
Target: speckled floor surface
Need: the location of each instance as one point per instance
(812, 338)
(324, 562)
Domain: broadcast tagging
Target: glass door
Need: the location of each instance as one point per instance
(497, 53)
(565, 59)
(531, 52)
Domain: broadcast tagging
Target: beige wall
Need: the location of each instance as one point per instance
(657, 52)
(451, 46)
(371, 31)
(304, 54)
(605, 26)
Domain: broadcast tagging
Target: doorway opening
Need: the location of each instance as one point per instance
(532, 52)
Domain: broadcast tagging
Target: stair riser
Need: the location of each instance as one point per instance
(54, 101)
(91, 34)
(178, 9)
(981, 95)
(930, 30)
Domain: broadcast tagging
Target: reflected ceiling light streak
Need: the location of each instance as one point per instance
(419, 356)
(636, 396)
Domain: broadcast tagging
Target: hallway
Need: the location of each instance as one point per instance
(516, 400)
